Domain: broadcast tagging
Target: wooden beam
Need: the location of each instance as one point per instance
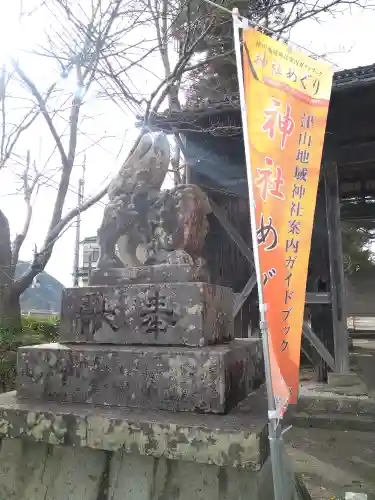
(244, 249)
(307, 354)
(336, 264)
(356, 153)
(241, 297)
(318, 298)
(232, 232)
(318, 345)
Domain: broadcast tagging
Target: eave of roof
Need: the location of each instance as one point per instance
(169, 121)
(89, 239)
(353, 77)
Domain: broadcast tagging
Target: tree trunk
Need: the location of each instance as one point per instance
(10, 310)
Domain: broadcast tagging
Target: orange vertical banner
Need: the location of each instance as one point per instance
(287, 96)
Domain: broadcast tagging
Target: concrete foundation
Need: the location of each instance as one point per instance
(208, 379)
(192, 314)
(39, 472)
(63, 452)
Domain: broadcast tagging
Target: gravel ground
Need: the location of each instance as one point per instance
(333, 462)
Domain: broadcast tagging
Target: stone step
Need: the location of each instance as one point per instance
(208, 379)
(320, 403)
(336, 421)
(192, 314)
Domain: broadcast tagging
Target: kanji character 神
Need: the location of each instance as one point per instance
(275, 118)
(265, 231)
(269, 183)
(286, 125)
(298, 191)
(271, 118)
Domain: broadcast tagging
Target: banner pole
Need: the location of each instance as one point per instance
(274, 429)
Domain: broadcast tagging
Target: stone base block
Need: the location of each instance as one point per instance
(350, 379)
(208, 379)
(193, 314)
(162, 273)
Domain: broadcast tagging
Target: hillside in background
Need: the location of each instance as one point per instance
(45, 297)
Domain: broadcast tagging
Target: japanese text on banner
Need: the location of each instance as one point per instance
(287, 96)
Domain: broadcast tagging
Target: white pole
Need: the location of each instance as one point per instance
(274, 430)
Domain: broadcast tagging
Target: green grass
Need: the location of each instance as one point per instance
(34, 331)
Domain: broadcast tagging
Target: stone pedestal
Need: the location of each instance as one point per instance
(152, 345)
(193, 314)
(209, 379)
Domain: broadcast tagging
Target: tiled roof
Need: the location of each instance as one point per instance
(187, 118)
(351, 77)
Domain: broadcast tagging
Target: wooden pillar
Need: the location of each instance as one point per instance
(318, 281)
(337, 283)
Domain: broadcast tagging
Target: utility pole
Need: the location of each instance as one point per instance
(81, 190)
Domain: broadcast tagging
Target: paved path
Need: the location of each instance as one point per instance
(333, 462)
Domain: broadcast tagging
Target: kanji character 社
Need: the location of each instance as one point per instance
(268, 183)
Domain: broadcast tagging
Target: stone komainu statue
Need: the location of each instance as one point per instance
(169, 226)
(181, 225)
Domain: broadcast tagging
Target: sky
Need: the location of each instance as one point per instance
(347, 40)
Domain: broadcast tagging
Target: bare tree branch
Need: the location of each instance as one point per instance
(41, 257)
(29, 186)
(43, 109)
(11, 132)
(85, 64)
